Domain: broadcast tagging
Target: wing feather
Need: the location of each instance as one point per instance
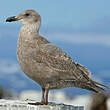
(60, 62)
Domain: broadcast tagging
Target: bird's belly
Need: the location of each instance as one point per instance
(35, 70)
(31, 70)
(40, 74)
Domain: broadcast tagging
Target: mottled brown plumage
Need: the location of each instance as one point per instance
(46, 63)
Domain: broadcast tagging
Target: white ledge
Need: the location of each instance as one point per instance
(23, 105)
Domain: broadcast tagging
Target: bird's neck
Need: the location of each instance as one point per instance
(30, 28)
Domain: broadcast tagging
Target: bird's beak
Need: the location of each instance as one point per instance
(11, 19)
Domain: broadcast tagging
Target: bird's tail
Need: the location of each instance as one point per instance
(89, 83)
(92, 86)
(96, 87)
(99, 88)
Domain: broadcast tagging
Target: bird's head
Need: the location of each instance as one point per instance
(29, 18)
(26, 17)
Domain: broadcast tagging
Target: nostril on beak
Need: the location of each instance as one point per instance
(10, 19)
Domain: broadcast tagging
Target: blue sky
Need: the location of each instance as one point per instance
(76, 14)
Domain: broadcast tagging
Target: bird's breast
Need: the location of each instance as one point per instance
(25, 50)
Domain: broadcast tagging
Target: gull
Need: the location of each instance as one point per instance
(47, 64)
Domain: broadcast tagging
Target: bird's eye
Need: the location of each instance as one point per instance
(27, 14)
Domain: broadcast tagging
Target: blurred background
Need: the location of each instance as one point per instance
(80, 28)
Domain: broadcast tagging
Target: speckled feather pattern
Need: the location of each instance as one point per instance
(46, 63)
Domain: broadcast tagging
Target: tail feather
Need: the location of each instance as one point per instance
(98, 87)
(101, 84)
(92, 86)
(89, 83)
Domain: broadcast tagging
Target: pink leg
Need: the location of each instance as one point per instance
(43, 95)
(43, 101)
(46, 97)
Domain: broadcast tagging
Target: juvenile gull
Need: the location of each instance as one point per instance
(46, 63)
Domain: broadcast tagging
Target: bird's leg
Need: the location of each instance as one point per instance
(43, 95)
(43, 102)
(46, 96)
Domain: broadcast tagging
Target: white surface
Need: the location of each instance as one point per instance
(23, 105)
(59, 97)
